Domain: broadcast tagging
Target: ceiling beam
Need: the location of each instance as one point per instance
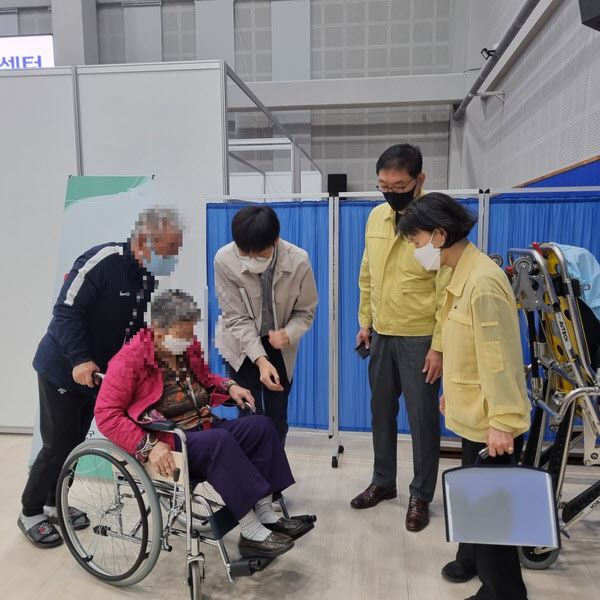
(363, 92)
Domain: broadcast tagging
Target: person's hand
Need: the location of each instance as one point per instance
(161, 458)
(242, 395)
(499, 442)
(364, 335)
(82, 374)
(433, 366)
(268, 375)
(279, 339)
(443, 404)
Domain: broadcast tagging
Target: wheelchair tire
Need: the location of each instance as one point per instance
(537, 562)
(109, 461)
(195, 581)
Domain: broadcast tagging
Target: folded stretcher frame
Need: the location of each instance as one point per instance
(564, 376)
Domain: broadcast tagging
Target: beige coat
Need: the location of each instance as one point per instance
(239, 294)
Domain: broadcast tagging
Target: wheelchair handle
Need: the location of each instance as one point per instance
(97, 374)
(176, 474)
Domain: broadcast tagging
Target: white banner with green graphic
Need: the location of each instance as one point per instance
(98, 210)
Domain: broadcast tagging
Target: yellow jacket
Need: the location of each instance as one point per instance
(484, 378)
(397, 295)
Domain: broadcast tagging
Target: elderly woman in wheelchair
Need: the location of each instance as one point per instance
(154, 403)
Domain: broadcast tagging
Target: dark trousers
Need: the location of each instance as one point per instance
(243, 459)
(396, 367)
(272, 404)
(498, 567)
(64, 422)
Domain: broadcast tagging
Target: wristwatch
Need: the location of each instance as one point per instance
(228, 384)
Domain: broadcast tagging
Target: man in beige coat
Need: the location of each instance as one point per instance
(267, 296)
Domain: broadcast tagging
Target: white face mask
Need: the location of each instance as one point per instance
(429, 256)
(176, 345)
(256, 264)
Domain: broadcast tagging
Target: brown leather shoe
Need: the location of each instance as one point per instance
(417, 516)
(274, 545)
(372, 496)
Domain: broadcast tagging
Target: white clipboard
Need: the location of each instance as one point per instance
(505, 505)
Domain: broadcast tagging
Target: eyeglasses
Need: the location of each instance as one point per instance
(395, 189)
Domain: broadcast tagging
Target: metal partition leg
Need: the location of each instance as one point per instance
(334, 430)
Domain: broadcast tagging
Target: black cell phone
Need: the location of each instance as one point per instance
(362, 350)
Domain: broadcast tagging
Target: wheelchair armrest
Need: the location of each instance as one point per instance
(231, 403)
(159, 426)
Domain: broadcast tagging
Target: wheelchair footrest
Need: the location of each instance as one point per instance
(244, 567)
(305, 518)
(308, 522)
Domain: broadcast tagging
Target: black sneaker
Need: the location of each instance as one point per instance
(456, 573)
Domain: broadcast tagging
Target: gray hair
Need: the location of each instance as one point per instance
(171, 307)
(155, 220)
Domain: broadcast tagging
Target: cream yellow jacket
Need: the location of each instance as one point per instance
(484, 378)
(397, 295)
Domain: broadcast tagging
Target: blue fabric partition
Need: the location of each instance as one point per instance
(304, 224)
(354, 393)
(519, 219)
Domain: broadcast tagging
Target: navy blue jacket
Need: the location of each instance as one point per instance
(101, 304)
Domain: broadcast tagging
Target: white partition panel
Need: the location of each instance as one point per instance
(38, 150)
(165, 120)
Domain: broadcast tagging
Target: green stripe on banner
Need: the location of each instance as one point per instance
(94, 466)
(81, 187)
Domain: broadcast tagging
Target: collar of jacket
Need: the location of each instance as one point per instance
(462, 270)
(391, 213)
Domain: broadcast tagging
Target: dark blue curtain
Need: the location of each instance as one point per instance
(354, 393)
(304, 224)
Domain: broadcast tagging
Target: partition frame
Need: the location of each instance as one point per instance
(332, 300)
(296, 149)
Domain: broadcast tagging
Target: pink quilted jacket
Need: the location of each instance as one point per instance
(133, 383)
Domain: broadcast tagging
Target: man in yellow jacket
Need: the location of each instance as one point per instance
(400, 302)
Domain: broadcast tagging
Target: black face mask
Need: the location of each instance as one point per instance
(399, 201)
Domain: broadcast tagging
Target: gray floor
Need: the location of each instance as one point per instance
(350, 555)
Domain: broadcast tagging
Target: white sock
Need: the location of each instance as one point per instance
(253, 529)
(30, 522)
(264, 511)
(50, 511)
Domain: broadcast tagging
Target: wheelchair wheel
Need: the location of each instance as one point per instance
(537, 562)
(195, 581)
(122, 543)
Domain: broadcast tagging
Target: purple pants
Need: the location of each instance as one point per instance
(243, 459)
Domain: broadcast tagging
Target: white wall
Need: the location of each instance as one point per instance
(551, 115)
(273, 183)
(165, 120)
(37, 153)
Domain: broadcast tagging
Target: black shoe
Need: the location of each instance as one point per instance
(372, 496)
(456, 573)
(293, 528)
(274, 545)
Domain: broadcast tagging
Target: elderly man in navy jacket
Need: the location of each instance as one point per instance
(100, 306)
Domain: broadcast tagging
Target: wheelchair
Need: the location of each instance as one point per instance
(134, 512)
(564, 376)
